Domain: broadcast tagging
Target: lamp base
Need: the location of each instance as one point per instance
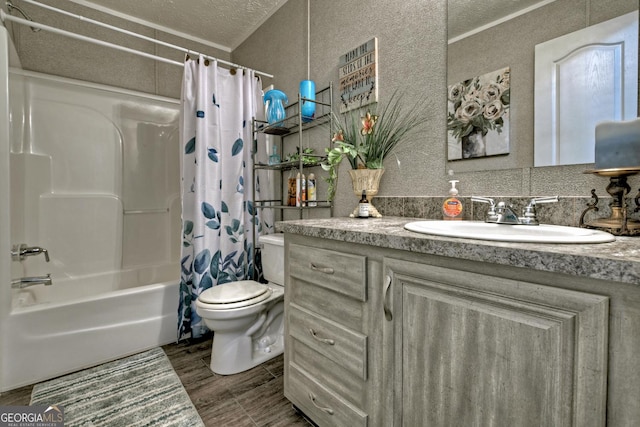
(615, 224)
(618, 223)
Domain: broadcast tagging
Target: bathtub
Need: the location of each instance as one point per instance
(108, 216)
(81, 322)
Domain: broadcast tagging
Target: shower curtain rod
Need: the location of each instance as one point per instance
(11, 18)
(55, 30)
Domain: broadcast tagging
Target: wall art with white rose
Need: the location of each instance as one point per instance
(478, 116)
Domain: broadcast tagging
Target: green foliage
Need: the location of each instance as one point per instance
(307, 156)
(365, 140)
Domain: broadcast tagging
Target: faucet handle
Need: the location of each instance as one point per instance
(483, 200)
(492, 216)
(537, 200)
(529, 215)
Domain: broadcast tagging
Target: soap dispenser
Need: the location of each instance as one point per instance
(452, 206)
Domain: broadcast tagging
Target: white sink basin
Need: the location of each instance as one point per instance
(510, 233)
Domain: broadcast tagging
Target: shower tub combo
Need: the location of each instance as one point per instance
(94, 180)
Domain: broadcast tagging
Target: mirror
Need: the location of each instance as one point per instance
(492, 35)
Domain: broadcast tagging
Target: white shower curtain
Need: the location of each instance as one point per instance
(215, 130)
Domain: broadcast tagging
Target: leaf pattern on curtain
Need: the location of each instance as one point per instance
(217, 213)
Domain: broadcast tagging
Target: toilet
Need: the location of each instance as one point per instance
(247, 317)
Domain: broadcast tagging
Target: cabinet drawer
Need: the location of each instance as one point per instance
(346, 311)
(334, 376)
(341, 272)
(319, 403)
(335, 342)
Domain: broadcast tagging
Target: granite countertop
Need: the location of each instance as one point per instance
(617, 261)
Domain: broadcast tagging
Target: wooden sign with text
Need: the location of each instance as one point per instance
(358, 76)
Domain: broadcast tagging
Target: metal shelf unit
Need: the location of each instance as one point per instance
(293, 125)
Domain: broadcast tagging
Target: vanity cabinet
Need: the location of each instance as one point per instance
(328, 343)
(381, 336)
(486, 350)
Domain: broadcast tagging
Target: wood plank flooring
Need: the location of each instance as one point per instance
(249, 399)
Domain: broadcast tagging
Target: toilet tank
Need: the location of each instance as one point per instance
(273, 257)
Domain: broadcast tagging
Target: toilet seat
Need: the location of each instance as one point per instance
(234, 295)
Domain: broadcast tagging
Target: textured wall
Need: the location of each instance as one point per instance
(412, 56)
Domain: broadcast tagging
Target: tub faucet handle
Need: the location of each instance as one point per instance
(21, 251)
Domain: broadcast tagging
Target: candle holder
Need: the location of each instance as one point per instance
(618, 223)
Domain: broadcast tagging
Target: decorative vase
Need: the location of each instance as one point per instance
(474, 145)
(367, 180)
(274, 101)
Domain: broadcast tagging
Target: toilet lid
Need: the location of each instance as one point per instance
(235, 294)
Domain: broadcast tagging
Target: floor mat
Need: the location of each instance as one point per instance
(140, 390)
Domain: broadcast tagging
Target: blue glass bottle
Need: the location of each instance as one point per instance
(307, 91)
(274, 158)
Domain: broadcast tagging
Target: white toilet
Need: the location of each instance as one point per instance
(247, 317)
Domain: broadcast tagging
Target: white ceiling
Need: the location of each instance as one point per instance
(227, 23)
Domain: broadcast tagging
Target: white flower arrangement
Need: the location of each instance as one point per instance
(479, 105)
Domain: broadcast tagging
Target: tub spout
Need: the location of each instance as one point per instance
(25, 282)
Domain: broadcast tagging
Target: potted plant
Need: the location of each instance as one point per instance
(365, 140)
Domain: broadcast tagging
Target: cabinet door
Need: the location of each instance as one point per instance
(476, 350)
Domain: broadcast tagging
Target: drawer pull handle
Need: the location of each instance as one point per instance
(313, 400)
(385, 304)
(325, 270)
(322, 340)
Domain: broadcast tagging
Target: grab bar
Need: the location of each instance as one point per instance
(146, 211)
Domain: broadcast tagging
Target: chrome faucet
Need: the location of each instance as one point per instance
(25, 282)
(504, 214)
(21, 251)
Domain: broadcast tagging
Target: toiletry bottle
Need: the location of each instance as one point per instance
(452, 207)
(274, 158)
(311, 190)
(298, 189)
(363, 206)
(291, 199)
(301, 190)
